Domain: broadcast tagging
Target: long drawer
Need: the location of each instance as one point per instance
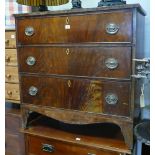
(10, 57)
(12, 91)
(113, 26)
(43, 146)
(11, 74)
(77, 94)
(114, 62)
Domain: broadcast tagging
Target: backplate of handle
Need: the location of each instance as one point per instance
(33, 91)
(48, 148)
(29, 31)
(111, 98)
(112, 28)
(111, 63)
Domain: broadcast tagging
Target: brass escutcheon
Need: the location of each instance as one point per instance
(69, 83)
(67, 20)
(67, 51)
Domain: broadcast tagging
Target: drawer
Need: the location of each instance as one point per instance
(10, 57)
(114, 62)
(113, 26)
(43, 146)
(10, 39)
(11, 74)
(77, 94)
(12, 91)
(12, 123)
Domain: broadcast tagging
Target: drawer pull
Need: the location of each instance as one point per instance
(33, 91)
(29, 31)
(48, 148)
(31, 61)
(8, 76)
(9, 92)
(7, 41)
(112, 28)
(111, 98)
(91, 154)
(7, 58)
(111, 63)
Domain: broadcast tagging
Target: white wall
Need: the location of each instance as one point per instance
(93, 3)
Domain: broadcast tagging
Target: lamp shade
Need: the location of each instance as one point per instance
(42, 2)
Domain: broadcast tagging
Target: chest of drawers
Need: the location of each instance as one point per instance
(76, 66)
(11, 71)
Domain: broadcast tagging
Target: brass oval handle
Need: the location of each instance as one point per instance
(8, 75)
(9, 92)
(33, 91)
(29, 31)
(112, 28)
(111, 98)
(31, 60)
(7, 58)
(48, 148)
(111, 63)
(91, 154)
(6, 41)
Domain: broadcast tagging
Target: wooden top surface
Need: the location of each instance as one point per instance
(85, 10)
(90, 138)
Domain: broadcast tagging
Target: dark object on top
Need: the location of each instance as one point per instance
(110, 2)
(76, 4)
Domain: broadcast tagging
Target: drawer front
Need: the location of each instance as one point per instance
(83, 95)
(10, 57)
(10, 39)
(102, 27)
(112, 62)
(12, 123)
(42, 146)
(11, 74)
(12, 91)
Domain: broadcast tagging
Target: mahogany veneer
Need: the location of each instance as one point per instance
(76, 65)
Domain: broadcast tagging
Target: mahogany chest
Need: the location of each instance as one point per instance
(76, 66)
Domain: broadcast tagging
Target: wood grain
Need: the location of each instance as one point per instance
(12, 91)
(92, 27)
(77, 61)
(10, 39)
(84, 95)
(10, 57)
(11, 74)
